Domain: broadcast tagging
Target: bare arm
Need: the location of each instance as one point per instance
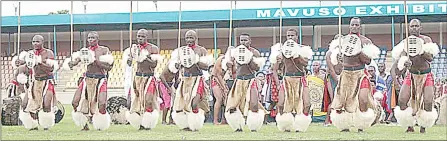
(275, 68)
(330, 66)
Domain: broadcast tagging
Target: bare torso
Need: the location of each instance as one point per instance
(94, 68)
(147, 66)
(44, 71)
(217, 69)
(293, 65)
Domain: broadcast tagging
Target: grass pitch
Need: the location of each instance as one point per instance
(66, 130)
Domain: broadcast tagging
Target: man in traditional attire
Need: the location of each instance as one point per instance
(331, 79)
(294, 101)
(219, 88)
(190, 60)
(39, 102)
(353, 103)
(144, 109)
(168, 79)
(416, 98)
(90, 99)
(243, 106)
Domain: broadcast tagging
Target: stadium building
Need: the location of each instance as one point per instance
(383, 24)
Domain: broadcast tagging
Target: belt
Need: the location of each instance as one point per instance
(354, 68)
(421, 72)
(97, 76)
(245, 77)
(43, 78)
(192, 74)
(295, 74)
(144, 74)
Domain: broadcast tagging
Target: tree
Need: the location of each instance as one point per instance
(59, 12)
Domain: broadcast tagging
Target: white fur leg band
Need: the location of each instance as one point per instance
(404, 117)
(255, 120)
(150, 119)
(302, 122)
(426, 119)
(46, 119)
(79, 118)
(284, 121)
(401, 62)
(196, 120)
(180, 119)
(101, 121)
(364, 120)
(27, 121)
(134, 119)
(342, 120)
(235, 119)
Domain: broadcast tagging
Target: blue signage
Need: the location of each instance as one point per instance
(239, 14)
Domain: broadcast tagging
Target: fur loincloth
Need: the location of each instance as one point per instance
(188, 88)
(348, 89)
(239, 96)
(90, 88)
(293, 94)
(37, 94)
(143, 86)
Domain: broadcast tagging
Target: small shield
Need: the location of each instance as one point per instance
(187, 56)
(351, 45)
(242, 54)
(30, 59)
(86, 56)
(414, 45)
(290, 48)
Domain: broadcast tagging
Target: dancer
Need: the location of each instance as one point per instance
(243, 100)
(144, 109)
(416, 97)
(353, 103)
(39, 102)
(190, 60)
(90, 99)
(294, 101)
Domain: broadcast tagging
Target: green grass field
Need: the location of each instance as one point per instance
(66, 130)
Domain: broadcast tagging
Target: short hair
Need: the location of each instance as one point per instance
(245, 34)
(93, 32)
(357, 18)
(294, 30)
